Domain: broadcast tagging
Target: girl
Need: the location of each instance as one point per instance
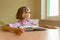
(23, 16)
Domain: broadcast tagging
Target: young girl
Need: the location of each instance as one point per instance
(23, 16)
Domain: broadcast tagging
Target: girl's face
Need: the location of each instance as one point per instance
(26, 15)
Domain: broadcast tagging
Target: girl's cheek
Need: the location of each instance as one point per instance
(27, 16)
(23, 16)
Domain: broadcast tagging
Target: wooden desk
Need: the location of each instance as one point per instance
(33, 35)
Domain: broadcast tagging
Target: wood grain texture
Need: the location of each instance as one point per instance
(35, 35)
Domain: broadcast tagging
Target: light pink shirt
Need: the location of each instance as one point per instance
(23, 23)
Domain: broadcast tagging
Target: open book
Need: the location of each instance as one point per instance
(33, 28)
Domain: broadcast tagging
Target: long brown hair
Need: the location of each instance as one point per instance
(20, 11)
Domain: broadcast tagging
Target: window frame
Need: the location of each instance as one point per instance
(44, 12)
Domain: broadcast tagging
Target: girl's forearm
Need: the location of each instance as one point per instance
(48, 26)
(17, 31)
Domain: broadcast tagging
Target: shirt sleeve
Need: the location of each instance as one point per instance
(15, 25)
(34, 22)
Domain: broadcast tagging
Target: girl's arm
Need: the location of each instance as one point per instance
(45, 26)
(49, 26)
(17, 31)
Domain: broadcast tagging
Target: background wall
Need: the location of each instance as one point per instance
(8, 9)
(37, 9)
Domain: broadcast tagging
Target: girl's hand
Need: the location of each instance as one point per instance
(19, 31)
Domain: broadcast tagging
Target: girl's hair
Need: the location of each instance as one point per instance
(20, 11)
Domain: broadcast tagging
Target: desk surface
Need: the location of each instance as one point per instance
(35, 35)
